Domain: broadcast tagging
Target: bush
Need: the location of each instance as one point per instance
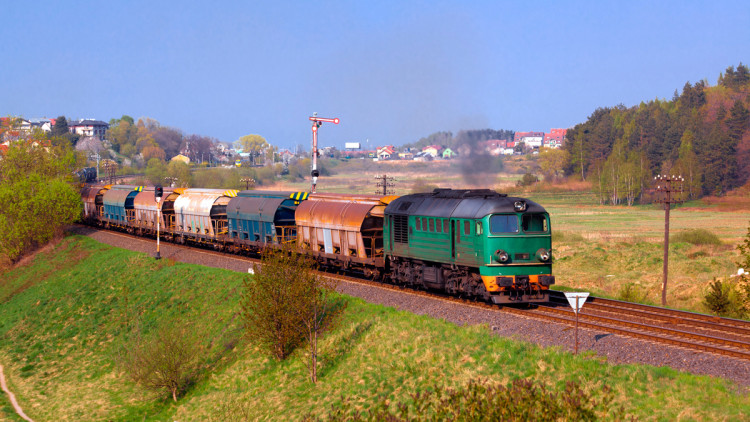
(480, 400)
(630, 292)
(271, 298)
(165, 362)
(724, 299)
(528, 179)
(696, 237)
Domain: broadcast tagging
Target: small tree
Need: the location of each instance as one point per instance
(287, 303)
(167, 361)
(317, 312)
(271, 300)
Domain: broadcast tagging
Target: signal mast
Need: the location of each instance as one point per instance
(317, 121)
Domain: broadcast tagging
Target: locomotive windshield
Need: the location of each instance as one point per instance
(504, 223)
(534, 223)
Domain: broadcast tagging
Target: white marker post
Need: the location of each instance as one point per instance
(574, 298)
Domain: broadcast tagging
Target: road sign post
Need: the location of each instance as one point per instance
(576, 300)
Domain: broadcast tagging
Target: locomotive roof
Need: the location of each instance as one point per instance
(458, 203)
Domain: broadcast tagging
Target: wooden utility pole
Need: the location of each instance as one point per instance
(248, 181)
(666, 195)
(386, 183)
(171, 180)
(110, 168)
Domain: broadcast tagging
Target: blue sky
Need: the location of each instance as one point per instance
(392, 71)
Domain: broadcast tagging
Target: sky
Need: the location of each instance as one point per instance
(391, 71)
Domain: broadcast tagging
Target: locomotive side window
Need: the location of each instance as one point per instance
(534, 223)
(424, 224)
(504, 223)
(439, 225)
(432, 224)
(446, 226)
(467, 227)
(419, 224)
(479, 227)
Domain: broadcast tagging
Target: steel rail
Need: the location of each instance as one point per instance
(641, 335)
(651, 328)
(666, 315)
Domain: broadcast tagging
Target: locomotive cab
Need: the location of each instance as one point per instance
(517, 255)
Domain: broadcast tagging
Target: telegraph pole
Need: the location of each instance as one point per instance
(317, 121)
(247, 181)
(386, 183)
(171, 180)
(666, 191)
(110, 167)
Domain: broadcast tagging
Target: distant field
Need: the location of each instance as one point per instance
(65, 317)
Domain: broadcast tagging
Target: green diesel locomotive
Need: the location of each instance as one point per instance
(475, 243)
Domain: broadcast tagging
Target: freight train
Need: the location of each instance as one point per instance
(471, 243)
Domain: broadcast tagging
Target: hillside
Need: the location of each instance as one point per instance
(69, 313)
(702, 133)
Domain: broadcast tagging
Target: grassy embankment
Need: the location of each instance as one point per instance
(66, 315)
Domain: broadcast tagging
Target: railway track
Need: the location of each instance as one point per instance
(691, 330)
(687, 330)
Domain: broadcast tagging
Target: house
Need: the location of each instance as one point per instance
(3, 149)
(555, 139)
(385, 153)
(89, 127)
(405, 156)
(530, 139)
(433, 150)
(180, 157)
(285, 155)
(424, 156)
(44, 124)
(494, 147)
(448, 154)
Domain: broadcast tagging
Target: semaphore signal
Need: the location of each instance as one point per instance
(317, 121)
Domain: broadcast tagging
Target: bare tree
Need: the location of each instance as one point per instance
(317, 313)
(167, 361)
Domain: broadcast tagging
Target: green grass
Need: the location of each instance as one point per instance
(59, 337)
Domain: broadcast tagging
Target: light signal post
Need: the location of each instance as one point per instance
(158, 193)
(317, 121)
(666, 190)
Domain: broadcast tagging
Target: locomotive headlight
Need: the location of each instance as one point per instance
(501, 256)
(519, 206)
(543, 255)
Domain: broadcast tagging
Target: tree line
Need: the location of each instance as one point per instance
(38, 196)
(702, 133)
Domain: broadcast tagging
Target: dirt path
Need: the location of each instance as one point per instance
(12, 396)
